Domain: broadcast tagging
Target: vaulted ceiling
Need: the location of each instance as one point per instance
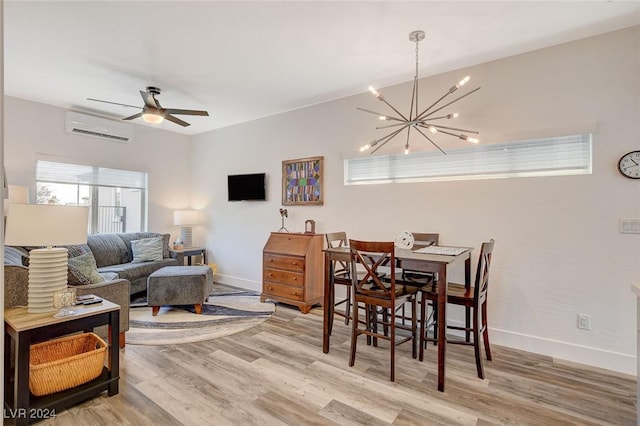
(246, 60)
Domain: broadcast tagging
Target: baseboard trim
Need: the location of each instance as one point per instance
(239, 282)
(614, 361)
(594, 357)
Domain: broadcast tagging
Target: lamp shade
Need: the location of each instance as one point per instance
(17, 194)
(46, 225)
(185, 217)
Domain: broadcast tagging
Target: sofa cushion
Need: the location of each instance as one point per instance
(134, 271)
(83, 269)
(146, 250)
(108, 249)
(131, 236)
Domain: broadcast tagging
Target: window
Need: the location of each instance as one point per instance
(117, 199)
(564, 155)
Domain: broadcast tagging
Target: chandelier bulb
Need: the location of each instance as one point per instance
(454, 115)
(463, 81)
(432, 129)
(469, 139)
(406, 149)
(383, 118)
(363, 148)
(374, 92)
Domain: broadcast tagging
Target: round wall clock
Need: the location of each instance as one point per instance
(629, 165)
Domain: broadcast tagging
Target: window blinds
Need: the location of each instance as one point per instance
(48, 171)
(537, 157)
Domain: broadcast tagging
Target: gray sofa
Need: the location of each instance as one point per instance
(113, 254)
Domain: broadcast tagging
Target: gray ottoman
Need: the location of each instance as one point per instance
(179, 285)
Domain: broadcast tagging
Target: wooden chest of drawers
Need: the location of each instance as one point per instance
(292, 270)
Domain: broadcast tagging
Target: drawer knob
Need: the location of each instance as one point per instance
(295, 293)
(270, 274)
(270, 260)
(295, 263)
(295, 278)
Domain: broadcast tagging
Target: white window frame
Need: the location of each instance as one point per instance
(552, 156)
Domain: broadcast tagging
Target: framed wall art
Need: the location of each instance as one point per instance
(302, 181)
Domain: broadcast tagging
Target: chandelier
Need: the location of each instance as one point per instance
(419, 121)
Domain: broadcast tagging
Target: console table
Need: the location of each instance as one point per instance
(23, 329)
(292, 269)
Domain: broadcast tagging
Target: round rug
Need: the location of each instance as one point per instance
(227, 311)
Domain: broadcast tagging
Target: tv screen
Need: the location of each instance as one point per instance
(246, 187)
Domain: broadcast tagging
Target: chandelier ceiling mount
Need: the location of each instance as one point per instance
(419, 121)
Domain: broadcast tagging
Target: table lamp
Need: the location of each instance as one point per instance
(46, 225)
(184, 219)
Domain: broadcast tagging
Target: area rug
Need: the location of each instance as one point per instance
(228, 310)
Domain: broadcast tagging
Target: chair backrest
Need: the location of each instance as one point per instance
(372, 255)
(338, 239)
(421, 240)
(482, 274)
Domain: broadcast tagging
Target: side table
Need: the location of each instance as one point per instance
(188, 252)
(23, 329)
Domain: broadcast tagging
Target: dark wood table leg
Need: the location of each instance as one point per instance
(467, 310)
(114, 352)
(21, 379)
(442, 324)
(328, 306)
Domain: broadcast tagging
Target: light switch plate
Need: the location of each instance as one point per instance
(630, 226)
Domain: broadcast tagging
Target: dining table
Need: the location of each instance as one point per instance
(437, 264)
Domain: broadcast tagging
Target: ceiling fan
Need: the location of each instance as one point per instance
(152, 112)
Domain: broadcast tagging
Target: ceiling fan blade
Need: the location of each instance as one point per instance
(186, 112)
(133, 117)
(176, 120)
(149, 100)
(114, 103)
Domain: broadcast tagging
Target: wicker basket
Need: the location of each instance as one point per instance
(64, 363)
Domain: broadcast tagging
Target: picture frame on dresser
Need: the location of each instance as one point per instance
(302, 181)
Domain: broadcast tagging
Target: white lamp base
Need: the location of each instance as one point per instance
(48, 272)
(186, 235)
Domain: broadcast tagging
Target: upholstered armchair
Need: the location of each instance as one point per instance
(16, 279)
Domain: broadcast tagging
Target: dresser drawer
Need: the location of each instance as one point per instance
(285, 291)
(284, 277)
(284, 262)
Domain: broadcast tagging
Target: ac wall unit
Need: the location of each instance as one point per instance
(89, 125)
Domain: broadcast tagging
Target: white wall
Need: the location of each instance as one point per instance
(35, 131)
(558, 249)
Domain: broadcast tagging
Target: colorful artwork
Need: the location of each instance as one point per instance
(302, 181)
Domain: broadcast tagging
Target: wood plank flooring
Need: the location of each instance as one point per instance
(276, 374)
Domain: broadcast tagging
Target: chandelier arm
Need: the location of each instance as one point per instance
(452, 134)
(391, 106)
(419, 116)
(388, 138)
(429, 139)
(422, 116)
(448, 116)
(391, 125)
(379, 114)
(406, 145)
(450, 128)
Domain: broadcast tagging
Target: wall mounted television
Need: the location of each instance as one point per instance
(247, 187)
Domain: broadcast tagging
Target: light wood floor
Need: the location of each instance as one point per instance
(276, 374)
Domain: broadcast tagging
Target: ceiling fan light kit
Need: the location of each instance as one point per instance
(153, 113)
(419, 121)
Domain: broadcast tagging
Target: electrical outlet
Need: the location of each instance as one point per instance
(584, 322)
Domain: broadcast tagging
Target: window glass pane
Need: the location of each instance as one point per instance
(116, 198)
(538, 157)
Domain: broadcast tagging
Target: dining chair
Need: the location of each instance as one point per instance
(471, 297)
(341, 274)
(416, 277)
(378, 295)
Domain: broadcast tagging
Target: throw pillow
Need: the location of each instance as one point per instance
(146, 250)
(83, 270)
